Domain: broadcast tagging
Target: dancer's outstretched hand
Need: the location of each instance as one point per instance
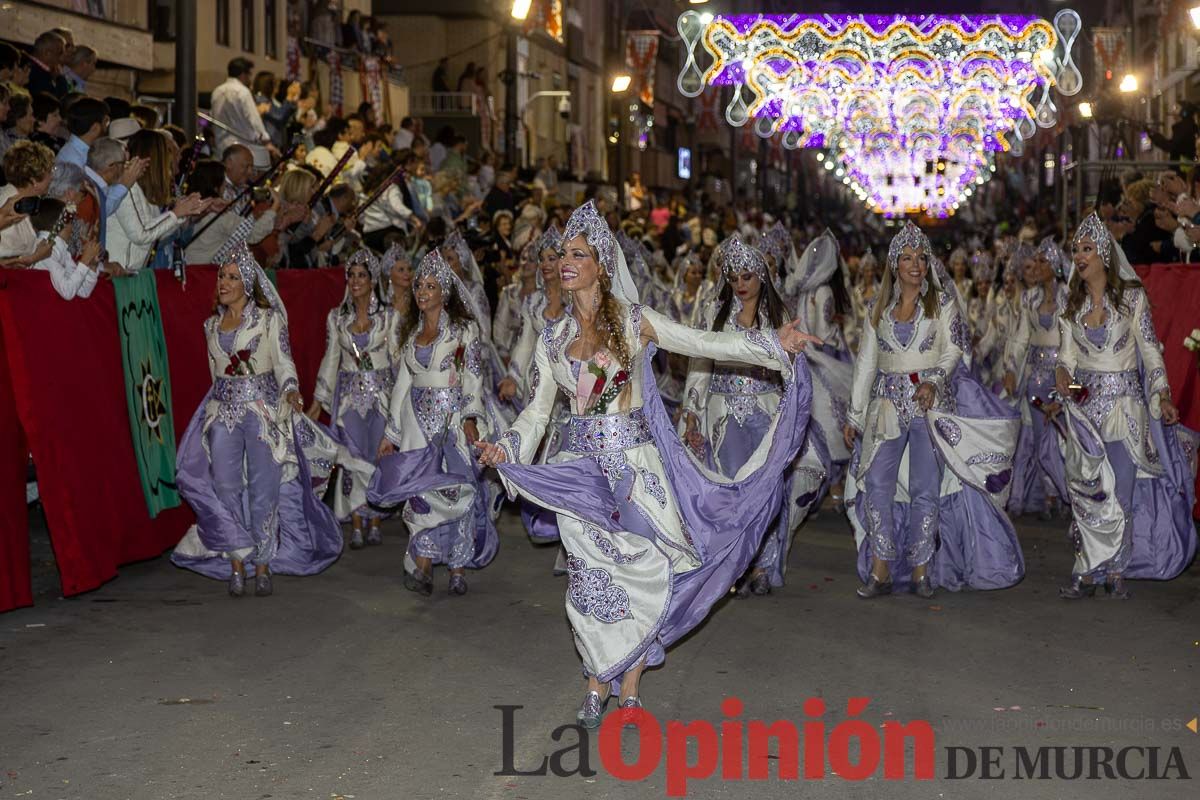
(490, 454)
(794, 340)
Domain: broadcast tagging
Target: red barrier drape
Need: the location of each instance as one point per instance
(15, 589)
(67, 387)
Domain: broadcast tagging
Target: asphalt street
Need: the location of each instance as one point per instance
(345, 685)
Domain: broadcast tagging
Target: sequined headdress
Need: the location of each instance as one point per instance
(1049, 249)
(369, 260)
(252, 274)
(909, 236)
(982, 266)
(586, 221)
(738, 257)
(466, 258)
(818, 263)
(551, 239)
(1021, 254)
(433, 264)
(1094, 228)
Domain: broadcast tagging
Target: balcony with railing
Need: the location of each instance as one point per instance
(121, 34)
(444, 104)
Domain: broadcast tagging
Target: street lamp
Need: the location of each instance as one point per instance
(1085, 110)
(1129, 84)
(1194, 13)
(520, 9)
(620, 83)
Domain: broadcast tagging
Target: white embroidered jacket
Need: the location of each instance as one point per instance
(364, 374)
(882, 392)
(257, 383)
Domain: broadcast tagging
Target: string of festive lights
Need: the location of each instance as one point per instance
(911, 108)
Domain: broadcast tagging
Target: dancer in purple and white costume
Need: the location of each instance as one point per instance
(250, 464)
(436, 414)
(547, 306)
(654, 540)
(1130, 466)
(941, 518)
(821, 298)
(1030, 358)
(354, 383)
(729, 406)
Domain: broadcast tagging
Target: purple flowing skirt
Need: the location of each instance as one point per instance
(725, 522)
(310, 538)
(405, 476)
(977, 545)
(1163, 534)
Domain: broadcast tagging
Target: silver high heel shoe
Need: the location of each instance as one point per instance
(237, 584)
(874, 588)
(591, 711)
(374, 537)
(923, 588)
(356, 539)
(262, 585)
(1077, 590)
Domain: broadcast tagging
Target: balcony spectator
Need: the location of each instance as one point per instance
(441, 77)
(353, 37)
(79, 68)
(47, 118)
(45, 74)
(466, 80)
(144, 219)
(27, 166)
(87, 122)
(484, 95)
(68, 38)
(233, 106)
(70, 277)
(404, 137)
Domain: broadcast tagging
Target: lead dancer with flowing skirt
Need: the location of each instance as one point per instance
(653, 539)
(1130, 466)
(913, 404)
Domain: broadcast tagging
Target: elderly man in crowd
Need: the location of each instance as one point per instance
(79, 68)
(45, 74)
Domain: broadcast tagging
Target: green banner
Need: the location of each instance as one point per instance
(147, 387)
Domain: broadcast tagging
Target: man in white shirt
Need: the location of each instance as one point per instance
(234, 107)
(404, 137)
